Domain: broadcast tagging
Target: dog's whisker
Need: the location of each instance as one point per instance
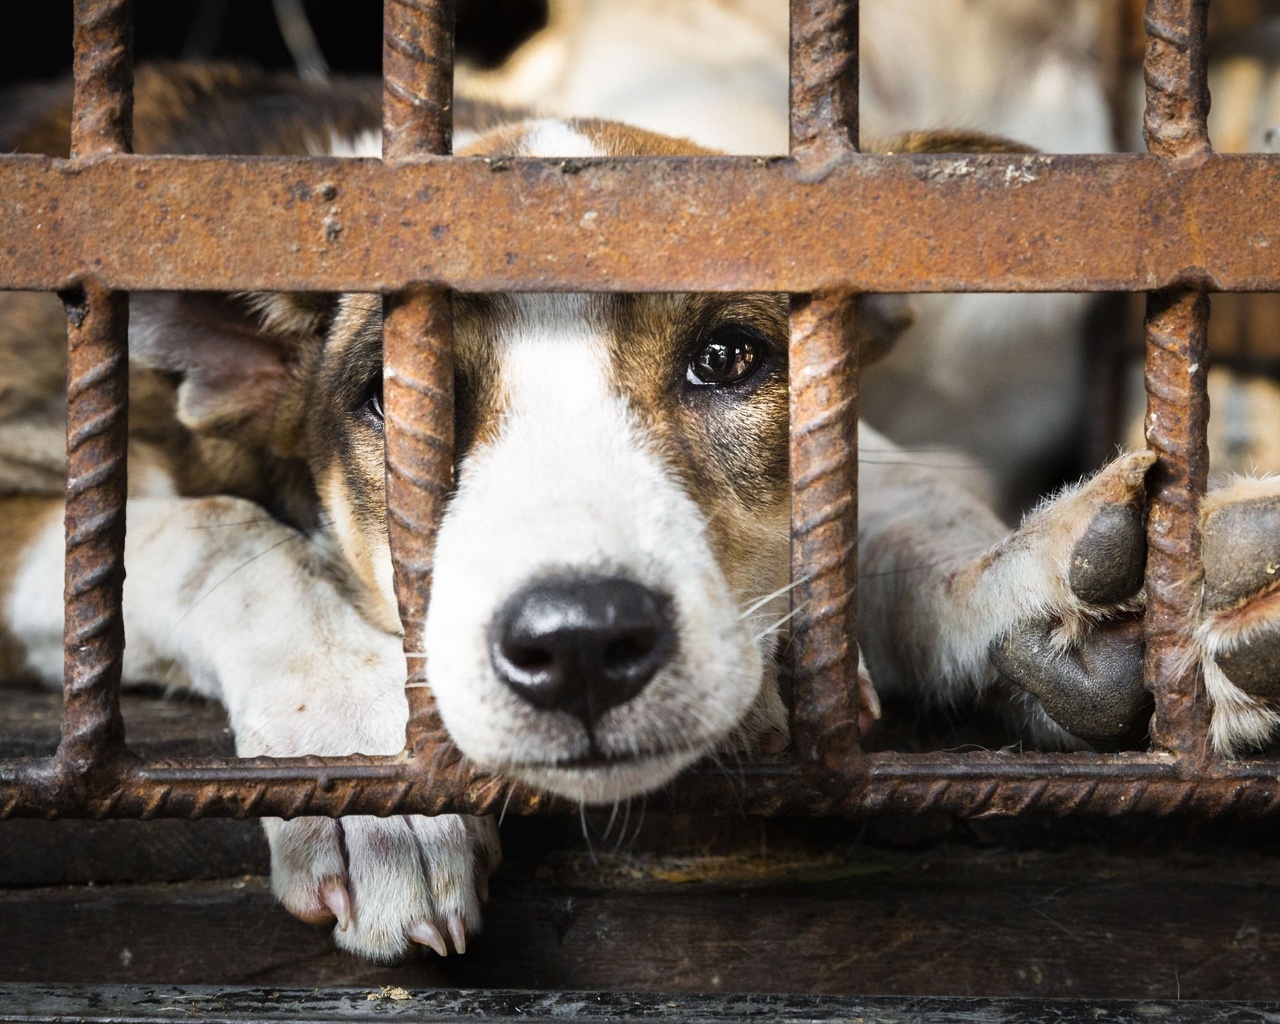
(762, 601)
(782, 621)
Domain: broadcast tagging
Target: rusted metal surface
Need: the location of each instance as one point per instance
(418, 399)
(824, 527)
(922, 223)
(417, 120)
(102, 116)
(824, 410)
(1177, 367)
(1175, 69)
(826, 222)
(97, 426)
(824, 80)
(1177, 415)
(417, 74)
(975, 784)
(97, 434)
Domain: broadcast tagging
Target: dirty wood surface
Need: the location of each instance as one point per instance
(32, 1004)
(921, 907)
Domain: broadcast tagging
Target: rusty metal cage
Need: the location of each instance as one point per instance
(1175, 223)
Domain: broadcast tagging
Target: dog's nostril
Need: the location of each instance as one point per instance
(581, 645)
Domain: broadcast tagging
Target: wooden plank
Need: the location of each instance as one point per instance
(32, 1004)
(947, 922)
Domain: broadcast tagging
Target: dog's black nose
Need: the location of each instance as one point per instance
(581, 645)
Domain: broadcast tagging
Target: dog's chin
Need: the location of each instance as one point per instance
(605, 782)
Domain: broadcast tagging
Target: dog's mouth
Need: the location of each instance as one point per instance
(598, 777)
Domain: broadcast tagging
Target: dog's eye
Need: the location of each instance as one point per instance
(372, 404)
(729, 355)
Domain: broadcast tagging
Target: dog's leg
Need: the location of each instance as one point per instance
(1238, 634)
(951, 605)
(224, 599)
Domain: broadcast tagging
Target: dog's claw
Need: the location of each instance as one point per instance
(334, 895)
(868, 703)
(458, 932)
(426, 934)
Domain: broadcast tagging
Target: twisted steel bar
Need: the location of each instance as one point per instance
(417, 120)
(97, 425)
(824, 527)
(824, 80)
(417, 376)
(97, 437)
(417, 77)
(102, 114)
(824, 409)
(437, 782)
(1177, 322)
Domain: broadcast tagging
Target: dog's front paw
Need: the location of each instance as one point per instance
(1238, 636)
(389, 883)
(1079, 651)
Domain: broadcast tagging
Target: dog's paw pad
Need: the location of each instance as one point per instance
(1241, 551)
(1108, 562)
(1093, 688)
(1253, 664)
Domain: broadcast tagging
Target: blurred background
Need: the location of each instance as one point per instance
(1025, 392)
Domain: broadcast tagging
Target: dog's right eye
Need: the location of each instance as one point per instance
(372, 404)
(731, 354)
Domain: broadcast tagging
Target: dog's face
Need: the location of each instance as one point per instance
(621, 498)
(596, 621)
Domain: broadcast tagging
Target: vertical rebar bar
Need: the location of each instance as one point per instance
(97, 419)
(418, 386)
(824, 409)
(1175, 125)
(102, 112)
(417, 78)
(824, 525)
(417, 119)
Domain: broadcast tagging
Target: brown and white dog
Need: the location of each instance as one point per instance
(611, 574)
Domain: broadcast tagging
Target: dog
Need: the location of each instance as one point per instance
(1000, 379)
(611, 575)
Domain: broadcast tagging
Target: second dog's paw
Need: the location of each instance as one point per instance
(1078, 568)
(388, 883)
(1238, 636)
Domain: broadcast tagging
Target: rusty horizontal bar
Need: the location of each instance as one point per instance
(977, 784)
(935, 223)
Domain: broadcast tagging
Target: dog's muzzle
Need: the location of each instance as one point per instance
(582, 645)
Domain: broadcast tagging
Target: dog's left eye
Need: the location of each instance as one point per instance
(729, 355)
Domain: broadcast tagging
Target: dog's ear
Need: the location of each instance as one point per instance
(885, 317)
(882, 319)
(945, 141)
(236, 358)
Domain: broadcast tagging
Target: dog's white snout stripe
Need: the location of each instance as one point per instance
(569, 486)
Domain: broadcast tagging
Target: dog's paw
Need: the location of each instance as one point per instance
(1075, 571)
(389, 883)
(1238, 635)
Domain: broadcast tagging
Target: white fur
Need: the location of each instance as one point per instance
(552, 137)
(225, 600)
(571, 486)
